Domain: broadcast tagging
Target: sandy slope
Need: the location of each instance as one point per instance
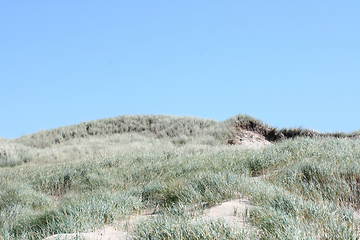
(234, 212)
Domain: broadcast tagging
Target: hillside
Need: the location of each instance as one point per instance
(163, 177)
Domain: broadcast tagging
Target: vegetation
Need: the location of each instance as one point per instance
(155, 126)
(82, 177)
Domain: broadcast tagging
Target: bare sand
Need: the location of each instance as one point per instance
(108, 233)
(234, 212)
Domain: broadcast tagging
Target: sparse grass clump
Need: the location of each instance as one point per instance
(12, 154)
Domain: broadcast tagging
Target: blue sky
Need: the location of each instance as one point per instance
(287, 63)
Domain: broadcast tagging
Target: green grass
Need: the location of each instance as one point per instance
(179, 224)
(106, 171)
(176, 128)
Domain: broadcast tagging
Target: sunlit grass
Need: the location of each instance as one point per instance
(302, 188)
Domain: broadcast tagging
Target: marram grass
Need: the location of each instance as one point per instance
(302, 188)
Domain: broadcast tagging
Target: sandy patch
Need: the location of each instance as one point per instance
(357, 214)
(108, 233)
(234, 212)
(249, 139)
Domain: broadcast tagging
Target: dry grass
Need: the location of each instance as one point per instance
(174, 167)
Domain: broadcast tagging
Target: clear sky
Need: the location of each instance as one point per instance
(287, 63)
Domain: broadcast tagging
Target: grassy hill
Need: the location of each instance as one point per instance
(301, 184)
